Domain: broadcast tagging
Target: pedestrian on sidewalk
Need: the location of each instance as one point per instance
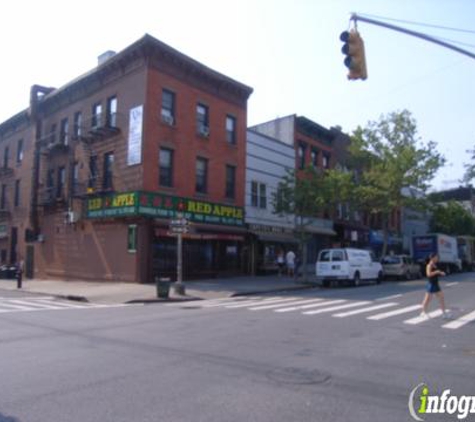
(433, 287)
(290, 262)
(280, 262)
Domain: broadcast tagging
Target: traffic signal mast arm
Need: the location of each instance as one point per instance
(425, 37)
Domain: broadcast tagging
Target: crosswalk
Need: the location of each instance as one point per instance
(372, 310)
(45, 303)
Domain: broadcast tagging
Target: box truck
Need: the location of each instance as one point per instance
(441, 244)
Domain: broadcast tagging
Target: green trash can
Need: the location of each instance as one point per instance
(163, 287)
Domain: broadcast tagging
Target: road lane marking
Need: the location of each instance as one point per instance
(263, 302)
(364, 310)
(385, 315)
(460, 322)
(454, 283)
(389, 297)
(336, 308)
(314, 305)
(229, 302)
(423, 318)
(278, 305)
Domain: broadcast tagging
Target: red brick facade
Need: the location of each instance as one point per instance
(64, 170)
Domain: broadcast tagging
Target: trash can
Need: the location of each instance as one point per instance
(163, 287)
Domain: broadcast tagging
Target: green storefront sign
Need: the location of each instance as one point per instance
(158, 205)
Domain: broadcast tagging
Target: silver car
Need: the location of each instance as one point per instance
(401, 267)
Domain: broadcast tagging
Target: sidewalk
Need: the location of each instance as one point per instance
(112, 292)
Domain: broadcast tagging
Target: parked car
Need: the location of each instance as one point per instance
(347, 265)
(401, 267)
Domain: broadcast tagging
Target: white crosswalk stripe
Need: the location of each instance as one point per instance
(460, 322)
(278, 305)
(336, 308)
(10, 305)
(365, 310)
(389, 314)
(423, 318)
(378, 309)
(319, 302)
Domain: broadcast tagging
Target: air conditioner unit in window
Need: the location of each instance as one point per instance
(169, 120)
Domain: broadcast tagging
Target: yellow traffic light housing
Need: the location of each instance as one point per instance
(355, 59)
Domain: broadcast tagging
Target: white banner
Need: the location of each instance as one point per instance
(134, 153)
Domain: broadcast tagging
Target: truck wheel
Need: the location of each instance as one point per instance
(408, 275)
(380, 278)
(356, 279)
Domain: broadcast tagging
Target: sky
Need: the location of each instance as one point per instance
(287, 50)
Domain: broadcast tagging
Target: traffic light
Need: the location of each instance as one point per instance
(355, 59)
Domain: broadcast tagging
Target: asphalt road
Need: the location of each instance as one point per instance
(246, 359)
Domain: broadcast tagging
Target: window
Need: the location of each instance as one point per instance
(61, 182)
(63, 132)
(111, 117)
(3, 197)
(231, 129)
(254, 194)
(338, 256)
(108, 170)
(77, 124)
(166, 167)
(262, 196)
(202, 120)
(168, 107)
(302, 148)
(75, 177)
(19, 152)
(132, 238)
(50, 179)
(314, 157)
(258, 195)
(6, 157)
(230, 182)
(52, 134)
(201, 175)
(93, 173)
(17, 193)
(96, 115)
(326, 161)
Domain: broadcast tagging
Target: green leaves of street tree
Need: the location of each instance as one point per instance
(452, 219)
(392, 157)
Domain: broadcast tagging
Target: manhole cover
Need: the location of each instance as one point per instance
(299, 376)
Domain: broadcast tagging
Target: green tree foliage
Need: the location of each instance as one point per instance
(393, 158)
(452, 219)
(470, 168)
(309, 194)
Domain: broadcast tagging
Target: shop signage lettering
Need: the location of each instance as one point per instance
(163, 206)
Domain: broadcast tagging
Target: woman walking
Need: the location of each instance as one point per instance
(433, 273)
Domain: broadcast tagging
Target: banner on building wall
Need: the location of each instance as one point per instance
(159, 205)
(134, 152)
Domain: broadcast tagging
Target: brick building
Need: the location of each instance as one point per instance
(109, 159)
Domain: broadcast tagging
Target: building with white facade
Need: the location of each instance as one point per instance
(268, 160)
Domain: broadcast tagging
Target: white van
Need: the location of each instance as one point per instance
(355, 266)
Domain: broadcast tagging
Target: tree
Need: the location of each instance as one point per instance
(452, 219)
(307, 194)
(393, 158)
(470, 168)
(299, 195)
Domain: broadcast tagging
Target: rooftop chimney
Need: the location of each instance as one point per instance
(105, 56)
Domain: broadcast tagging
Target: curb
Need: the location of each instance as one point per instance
(158, 300)
(72, 297)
